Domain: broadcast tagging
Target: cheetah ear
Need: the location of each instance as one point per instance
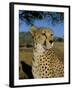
(33, 30)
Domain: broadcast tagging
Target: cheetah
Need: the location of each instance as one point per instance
(45, 63)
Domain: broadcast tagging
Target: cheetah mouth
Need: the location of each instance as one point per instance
(47, 47)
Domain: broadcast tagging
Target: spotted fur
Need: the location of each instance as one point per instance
(45, 63)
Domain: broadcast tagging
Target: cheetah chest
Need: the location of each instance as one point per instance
(46, 65)
(41, 67)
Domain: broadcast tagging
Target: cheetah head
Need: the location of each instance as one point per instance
(42, 37)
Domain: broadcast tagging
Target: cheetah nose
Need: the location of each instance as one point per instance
(51, 41)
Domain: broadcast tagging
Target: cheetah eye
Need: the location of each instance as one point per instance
(43, 33)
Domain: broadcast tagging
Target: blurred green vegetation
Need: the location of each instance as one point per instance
(30, 16)
(25, 39)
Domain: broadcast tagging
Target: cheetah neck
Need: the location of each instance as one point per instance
(38, 49)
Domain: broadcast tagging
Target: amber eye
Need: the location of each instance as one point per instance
(43, 34)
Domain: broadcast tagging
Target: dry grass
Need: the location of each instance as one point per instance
(25, 54)
(59, 50)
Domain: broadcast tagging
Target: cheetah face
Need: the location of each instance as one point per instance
(42, 36)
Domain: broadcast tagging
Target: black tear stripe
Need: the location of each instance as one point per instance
(46, 38)
(45, 42)
(33, 59)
